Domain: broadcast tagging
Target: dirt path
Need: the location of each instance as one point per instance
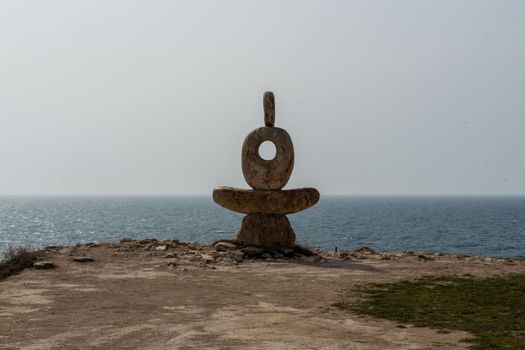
(137, 297)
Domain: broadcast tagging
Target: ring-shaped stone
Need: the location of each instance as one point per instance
(263, 174)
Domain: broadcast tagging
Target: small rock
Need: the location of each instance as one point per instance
(488, 259)
(195, 258)
(161, 248)
(278, 255)
(207, 257)
(83, 259)
(44, 265)
(286, 251)
(252, 251)
(225, 246)
(365, 250)
(238, 255)
(171, 255)
(266, 256)
(228, 260)
(423, 257)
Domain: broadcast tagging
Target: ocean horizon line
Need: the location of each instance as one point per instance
(423, 195)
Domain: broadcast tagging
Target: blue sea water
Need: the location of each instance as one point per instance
(493, 226)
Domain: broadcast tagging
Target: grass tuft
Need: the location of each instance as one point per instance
(16, 260)
(492, 309)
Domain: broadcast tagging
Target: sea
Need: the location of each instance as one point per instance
(490, 226)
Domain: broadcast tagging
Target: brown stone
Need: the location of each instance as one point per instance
(263, 174)
(267, 231)
(269, 108)
(265, 202)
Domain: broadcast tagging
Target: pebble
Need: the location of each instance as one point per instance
(83, 259)
(225, 246)
(43, 265)
(161, 248)
(252, 251)
(207, 257)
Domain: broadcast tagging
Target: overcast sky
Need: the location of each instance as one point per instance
(156, 97)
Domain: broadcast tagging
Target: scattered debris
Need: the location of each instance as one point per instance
(181, 256)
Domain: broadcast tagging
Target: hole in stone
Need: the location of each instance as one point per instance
(267, 150)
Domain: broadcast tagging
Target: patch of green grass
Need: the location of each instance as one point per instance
(16, 260)
(492, 309)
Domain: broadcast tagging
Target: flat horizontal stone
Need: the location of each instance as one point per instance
(83, 259)
(265, 202)
(44, 265)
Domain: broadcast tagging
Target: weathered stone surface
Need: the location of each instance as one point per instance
(266, 225)
(252, 251)
(265, 202)
(224, 246)
(269, 108)
(267, 231)
(263, 174)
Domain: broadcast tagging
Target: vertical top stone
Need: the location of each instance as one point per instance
(269, 109)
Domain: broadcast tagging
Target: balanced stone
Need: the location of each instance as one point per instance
(265, 202)
(267, 231)
(266, 224)
(262, 174)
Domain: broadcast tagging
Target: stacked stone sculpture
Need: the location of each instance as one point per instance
(267, 205)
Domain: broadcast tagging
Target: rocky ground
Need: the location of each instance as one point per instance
(152, 294)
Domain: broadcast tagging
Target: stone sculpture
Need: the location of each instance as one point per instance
(267, 205)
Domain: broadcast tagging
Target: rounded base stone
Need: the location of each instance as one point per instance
(267, 231)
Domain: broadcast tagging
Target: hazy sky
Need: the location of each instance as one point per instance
(156, 97)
